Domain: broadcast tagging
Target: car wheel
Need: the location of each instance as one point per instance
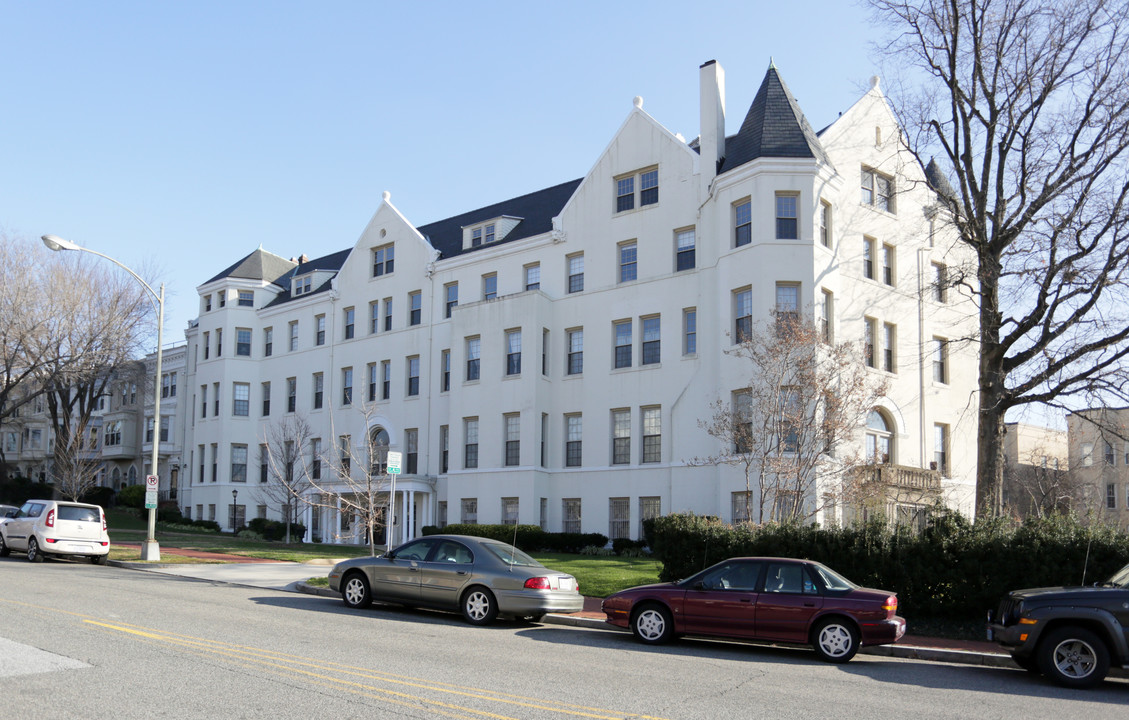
(1074, 657)
(33, 553)
(99, 559)
(653, 624)
(479, 606)
(5, 551)
(835, 640)
(1026, 662)
(355, 590)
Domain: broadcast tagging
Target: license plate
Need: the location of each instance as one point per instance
(566, 583)
(79, 548)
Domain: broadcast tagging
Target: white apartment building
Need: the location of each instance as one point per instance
(547, 359)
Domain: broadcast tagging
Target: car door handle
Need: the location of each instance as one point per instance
(808, 604)
(461, 572)
(413, 568)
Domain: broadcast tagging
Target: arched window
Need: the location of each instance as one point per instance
(378, 447)
(132, 475)
(879, 439)
(116, 479)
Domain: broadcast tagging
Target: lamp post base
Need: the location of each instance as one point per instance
(150, 551)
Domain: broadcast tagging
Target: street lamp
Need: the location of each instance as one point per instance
(150, 550)
(234, 508)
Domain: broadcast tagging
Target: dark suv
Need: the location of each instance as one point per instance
(1070, 634)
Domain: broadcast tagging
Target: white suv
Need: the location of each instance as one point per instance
(56, 527)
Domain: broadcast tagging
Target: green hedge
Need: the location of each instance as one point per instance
(954, 569)
(132, 496)
(530, 538)
(18, 490)
(276, 529)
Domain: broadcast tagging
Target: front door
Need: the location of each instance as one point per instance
(724, 602)
(397, 578)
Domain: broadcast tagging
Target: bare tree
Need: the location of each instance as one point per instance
(794, 428)
(1026, 105)
(76, 463)
(289, 473)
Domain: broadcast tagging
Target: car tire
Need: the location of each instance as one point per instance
(1073, 657)
(653, 624)
(479, 606)
(835, 640)
(34, 554)
(5, 551)
(1026, 662)
(355, 590)
(99, 559)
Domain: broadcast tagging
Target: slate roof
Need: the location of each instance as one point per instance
(774, 127)
(537, 210)
(331, 262)
(259, 265)
(939, 182)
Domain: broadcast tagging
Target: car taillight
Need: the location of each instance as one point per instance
(51, 517)
(538, 583)
(103, 523)
(891, 604)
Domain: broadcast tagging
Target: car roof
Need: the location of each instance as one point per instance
(65, 502)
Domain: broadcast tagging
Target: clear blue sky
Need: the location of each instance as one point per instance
(184, 135)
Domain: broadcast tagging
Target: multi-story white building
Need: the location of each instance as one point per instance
(547, 359)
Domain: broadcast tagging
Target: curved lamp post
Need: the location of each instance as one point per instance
(150, 550)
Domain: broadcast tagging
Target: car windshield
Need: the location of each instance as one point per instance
(1121, 578)
(511, 555)
(832, 579)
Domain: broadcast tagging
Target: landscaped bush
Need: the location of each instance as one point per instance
(18, 490)
(954, 569)
(206, 525)
(169, 515)
(628, 547)
(132, 496)
(275, 530)
(103, 496)
(530, 538)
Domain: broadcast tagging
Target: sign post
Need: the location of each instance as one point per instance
(152, 482)
(395, 457)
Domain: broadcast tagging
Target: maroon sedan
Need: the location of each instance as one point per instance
(765, 599)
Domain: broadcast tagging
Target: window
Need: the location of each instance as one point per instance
(413, 375)
(319, 390)
(544, 351)
(293, 336)
(372, 382)
(374, 317)
(470, 443)
(476, 237)
(383, 259)
(246, 298)
(619, 518)
(215, 461)
(690, 331)
(623, 344)
(241, 399)
(219, 342)
(473, 352)
(570, 515)
(649, 509)
(345, 455)
(621, 437)
(827, 316)
(444, 440)
(544, 514)
(303, 285)
(207, 303)
(168, 385)
(315, 458)
(743, 423)
(347, 386)
(889, 343)
(489, 286)
(415, 308)
(533, 276)
(291, 394)
(652, 435)
(575, 273)
(628, 261)
(791, 420)
(239, 463)
(222, 297)
(878, 439)
(513, 352)
(264, 463)
(575, 351)
(387, 314)
(940, 291)
(544, 434)
(941, 449)
(1111, 496)
(652, 349)
(625, 193)
(385, 379)
(870, 342)
(268, 342)
(243, 342)
(445, 371)
(266, 398)
(1109, 459)
(888, 269)
(940, 360)
(469, 509)
(868, 258)
(787, 221)
(512, 453)
(215, 399)
(684, 250)
(488, 235)
(1087, 454)
(203, 401)
(648, 188)
(742, 223)
(824, 224)
(574, 445)
(411, 443)
(509, 511)
(877, 190)
(350, 323)
(743, 314)
(787, 307)
(452, 297)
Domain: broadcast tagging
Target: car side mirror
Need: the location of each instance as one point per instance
(699, 585)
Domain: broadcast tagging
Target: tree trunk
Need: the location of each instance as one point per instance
(993, 392)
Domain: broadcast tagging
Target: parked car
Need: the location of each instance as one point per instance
(56, 527)
(764, 599)
(7, 511)
(1070, 634)
(478, 577)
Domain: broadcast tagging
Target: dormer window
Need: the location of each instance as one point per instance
(303, 285)
(480, 235)
(643, 183)
(383, 259)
